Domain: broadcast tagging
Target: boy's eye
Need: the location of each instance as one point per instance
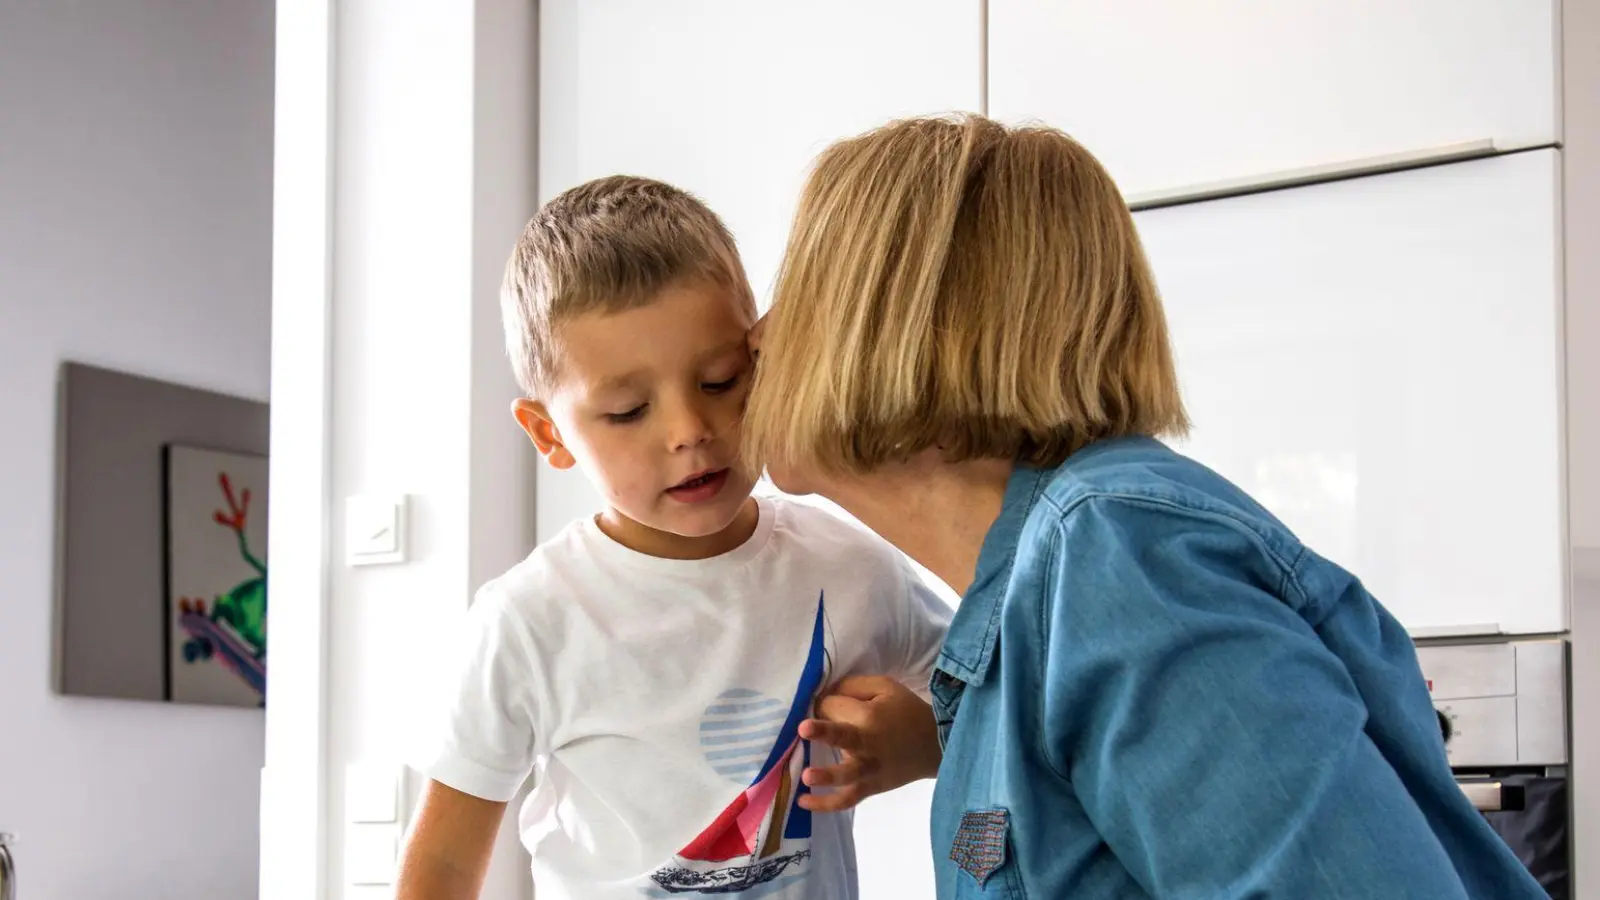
(717, 387)
(623, 418)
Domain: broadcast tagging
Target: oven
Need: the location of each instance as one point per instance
(1503, 711)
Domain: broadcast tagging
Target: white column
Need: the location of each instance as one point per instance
(1581, 208)
(293, 799)
(433, 161)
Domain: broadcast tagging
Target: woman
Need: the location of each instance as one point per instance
(1151, 688)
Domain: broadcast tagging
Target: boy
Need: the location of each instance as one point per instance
(652, 665)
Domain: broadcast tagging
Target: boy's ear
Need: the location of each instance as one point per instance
(541, 429)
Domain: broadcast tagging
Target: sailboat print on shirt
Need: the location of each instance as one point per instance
(763, 834)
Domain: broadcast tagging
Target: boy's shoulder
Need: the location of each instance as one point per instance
(529, 587)
(815, 526)
(817, 542)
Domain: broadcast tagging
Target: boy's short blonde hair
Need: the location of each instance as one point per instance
(606, 246)
(952, 283)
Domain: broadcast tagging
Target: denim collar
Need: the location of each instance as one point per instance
(969, 645)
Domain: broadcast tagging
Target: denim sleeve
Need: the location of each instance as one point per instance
(1215, 743)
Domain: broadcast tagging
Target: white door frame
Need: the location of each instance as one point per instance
(293, 782)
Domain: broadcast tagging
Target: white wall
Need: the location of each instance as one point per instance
(135, 191)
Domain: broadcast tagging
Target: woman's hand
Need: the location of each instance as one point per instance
(885, 735)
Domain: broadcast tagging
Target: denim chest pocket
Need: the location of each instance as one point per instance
(982, 851)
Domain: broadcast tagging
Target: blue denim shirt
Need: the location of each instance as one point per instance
(1152, 689)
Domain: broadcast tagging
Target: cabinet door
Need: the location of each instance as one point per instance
(1172, 94)
(1377, 361)
(732, 100)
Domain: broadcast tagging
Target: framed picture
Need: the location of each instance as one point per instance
(215, 510)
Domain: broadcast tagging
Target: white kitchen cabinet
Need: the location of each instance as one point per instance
(1173, 95)
(1378, 362)
(732, 100)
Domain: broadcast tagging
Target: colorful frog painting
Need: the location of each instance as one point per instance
(234, 629)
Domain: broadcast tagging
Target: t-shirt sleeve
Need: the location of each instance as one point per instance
(920, 622)
(481, 739)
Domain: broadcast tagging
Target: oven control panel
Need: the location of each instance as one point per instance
(1502, 704)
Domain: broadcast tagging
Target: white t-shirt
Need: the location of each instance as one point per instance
(657, 701)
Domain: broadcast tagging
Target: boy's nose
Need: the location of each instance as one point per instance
(691, 428)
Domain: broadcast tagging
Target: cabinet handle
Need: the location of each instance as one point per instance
(1350, 168)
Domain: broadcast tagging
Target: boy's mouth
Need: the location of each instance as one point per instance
(700, 487)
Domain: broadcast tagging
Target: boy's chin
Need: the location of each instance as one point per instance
(711, 519)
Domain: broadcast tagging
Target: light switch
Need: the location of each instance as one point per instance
(375, 529)
(370, 853)
(371, 793)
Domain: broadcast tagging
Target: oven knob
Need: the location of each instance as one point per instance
(1445, 728)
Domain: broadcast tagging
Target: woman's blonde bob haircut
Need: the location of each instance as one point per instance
(953, 283)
